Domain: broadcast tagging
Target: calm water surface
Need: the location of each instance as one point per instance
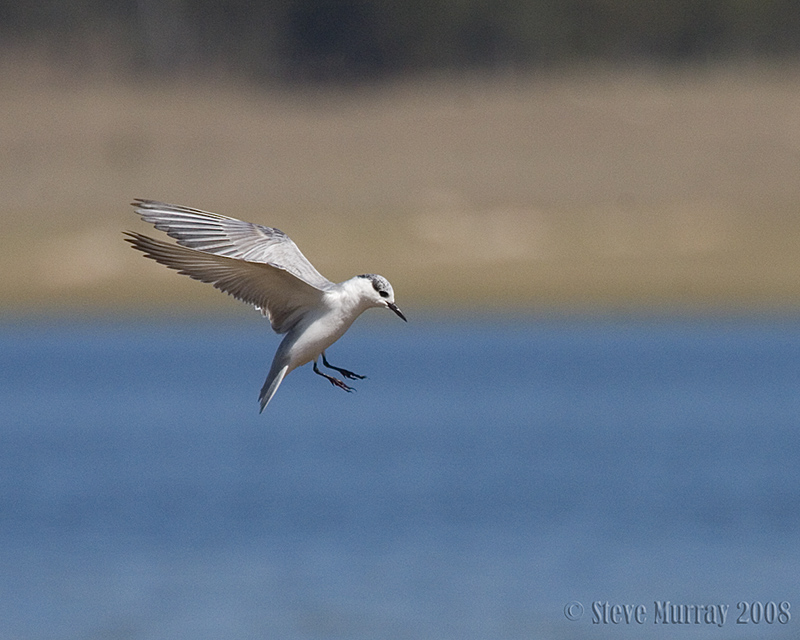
(481, 478)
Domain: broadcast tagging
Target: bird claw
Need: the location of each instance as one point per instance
(338, 383)
(350, 375)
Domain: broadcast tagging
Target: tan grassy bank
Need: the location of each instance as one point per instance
(627, 189)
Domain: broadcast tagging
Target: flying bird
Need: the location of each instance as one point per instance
(263, 267)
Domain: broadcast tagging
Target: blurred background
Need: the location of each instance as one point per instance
(589, 211)
(531, 154)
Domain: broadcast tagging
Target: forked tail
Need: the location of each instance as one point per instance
(271, 385)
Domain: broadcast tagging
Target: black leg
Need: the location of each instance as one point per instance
(347, 374)
(334, 381)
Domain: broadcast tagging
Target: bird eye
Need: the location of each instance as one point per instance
(383, 294)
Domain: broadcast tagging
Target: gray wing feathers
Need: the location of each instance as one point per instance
(279, 294)
(220, 235)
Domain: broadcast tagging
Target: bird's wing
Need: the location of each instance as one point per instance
(279, 295)
(220, 235)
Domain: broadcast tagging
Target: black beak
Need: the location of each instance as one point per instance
(394, 308)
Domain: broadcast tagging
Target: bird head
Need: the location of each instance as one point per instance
(380, 293)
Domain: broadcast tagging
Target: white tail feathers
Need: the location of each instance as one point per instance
(271, 385)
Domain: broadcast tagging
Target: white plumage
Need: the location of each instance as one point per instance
(263, 267)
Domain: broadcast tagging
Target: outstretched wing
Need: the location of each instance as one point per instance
(220, 235)
(280, 295)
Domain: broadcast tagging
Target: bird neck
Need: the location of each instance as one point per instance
(352, 297)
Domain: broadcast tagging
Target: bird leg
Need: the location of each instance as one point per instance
(334, 381)
(347, 374)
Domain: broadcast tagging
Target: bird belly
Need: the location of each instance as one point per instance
(314, 339)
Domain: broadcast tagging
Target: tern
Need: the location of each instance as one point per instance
(262, 266)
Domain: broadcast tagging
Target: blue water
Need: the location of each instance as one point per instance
(482, 477)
